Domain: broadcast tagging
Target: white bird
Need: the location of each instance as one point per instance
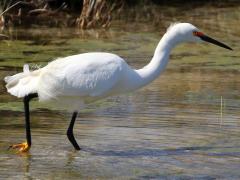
(80, 79)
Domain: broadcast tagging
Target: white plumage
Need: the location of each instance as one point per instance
(73, 81)
(85, 75)
(89, 76)
(24, 83)
(79, 79)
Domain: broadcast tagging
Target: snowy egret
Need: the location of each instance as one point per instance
(80, 79)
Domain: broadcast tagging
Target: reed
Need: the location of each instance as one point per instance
(222, 109)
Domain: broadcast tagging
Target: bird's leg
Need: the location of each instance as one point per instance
(70, 131)
(25, 146)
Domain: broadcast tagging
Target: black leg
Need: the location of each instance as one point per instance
(70, 131)
(26, 100)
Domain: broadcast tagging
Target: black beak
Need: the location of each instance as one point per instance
(213, 41)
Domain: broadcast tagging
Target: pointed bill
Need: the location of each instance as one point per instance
(211, 40)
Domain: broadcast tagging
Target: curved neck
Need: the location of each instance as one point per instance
(159, 61)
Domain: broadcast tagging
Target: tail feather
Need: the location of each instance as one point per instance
(23, 83)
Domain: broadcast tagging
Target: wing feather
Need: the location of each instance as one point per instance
(90, 74)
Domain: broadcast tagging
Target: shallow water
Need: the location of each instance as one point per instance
(175, 128)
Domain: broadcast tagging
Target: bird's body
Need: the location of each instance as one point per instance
(73, 81)
(79, 79)
(87, 77)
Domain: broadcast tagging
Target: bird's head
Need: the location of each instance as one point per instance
(190, 33)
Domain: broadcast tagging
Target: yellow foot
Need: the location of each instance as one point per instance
(22, 147)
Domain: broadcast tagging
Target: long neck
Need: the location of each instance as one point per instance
(159, 61)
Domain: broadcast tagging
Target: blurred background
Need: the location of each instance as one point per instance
(185, 125)
(98, 13)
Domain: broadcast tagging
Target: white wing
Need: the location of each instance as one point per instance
(89, 74)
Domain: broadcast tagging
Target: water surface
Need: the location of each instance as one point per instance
(175, 128)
